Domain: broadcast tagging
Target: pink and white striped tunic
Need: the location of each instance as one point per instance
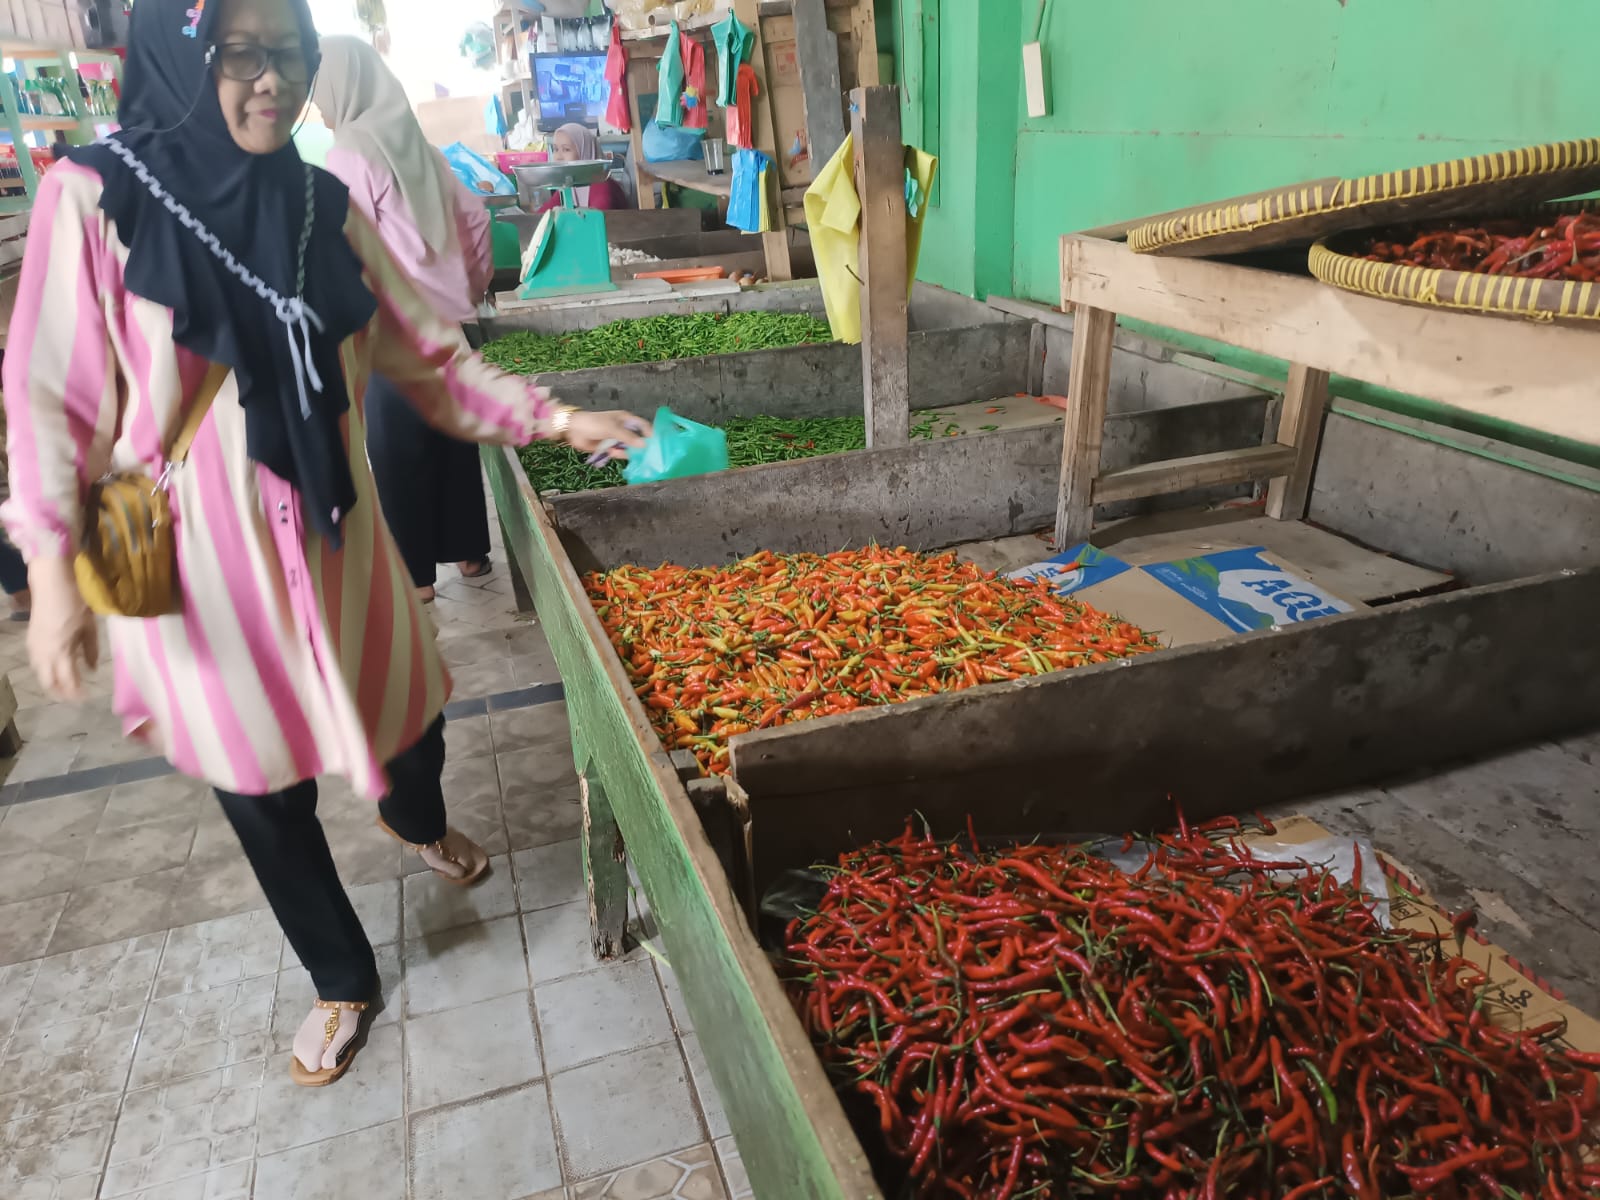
(290, 659)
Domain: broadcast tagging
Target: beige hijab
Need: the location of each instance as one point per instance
(369, 114)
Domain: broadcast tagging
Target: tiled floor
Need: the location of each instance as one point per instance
(147, 1000)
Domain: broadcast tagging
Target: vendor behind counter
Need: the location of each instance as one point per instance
(578, 143)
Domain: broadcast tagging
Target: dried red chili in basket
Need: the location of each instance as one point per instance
(1565, 248)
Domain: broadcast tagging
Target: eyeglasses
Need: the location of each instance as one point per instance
(246, 62)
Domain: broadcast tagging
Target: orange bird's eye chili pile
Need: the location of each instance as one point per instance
(1035, 1022)
(1566, 248)
(718, 651)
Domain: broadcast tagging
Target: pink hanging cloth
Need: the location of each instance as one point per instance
(693, 55)
(616, 75)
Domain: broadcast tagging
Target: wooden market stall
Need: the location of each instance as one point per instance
(1419, 671)
(807, 55)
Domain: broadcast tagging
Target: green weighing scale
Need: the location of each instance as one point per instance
(568, 254)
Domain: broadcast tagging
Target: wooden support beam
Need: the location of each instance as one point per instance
(10, 738)
(1088, 387)
(880, 182)
(605, 867)
(1305, 404)
(519, 585)
(763, 116)
(1198, 470)
(822, 93)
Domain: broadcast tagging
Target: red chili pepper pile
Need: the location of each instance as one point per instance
(774, 638)
(1567, 248)
(1034, 1022)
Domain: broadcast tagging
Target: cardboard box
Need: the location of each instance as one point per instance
(1515, 998)
(458, 119)
(1106, 582)
(1248, 589)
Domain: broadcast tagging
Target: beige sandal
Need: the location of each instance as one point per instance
(454, 850)
(342, 1055)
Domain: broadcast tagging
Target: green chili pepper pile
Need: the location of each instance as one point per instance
(654, 339)
(1035, 1022)
(751, 441)
(718, 651)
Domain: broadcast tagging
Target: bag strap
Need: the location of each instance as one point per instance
(209, 387)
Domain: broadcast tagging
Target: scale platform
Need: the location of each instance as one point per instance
(568, 254)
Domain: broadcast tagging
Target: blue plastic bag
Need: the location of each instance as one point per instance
(474, 169)
(744, 195)
(677, 448)
(663, 144)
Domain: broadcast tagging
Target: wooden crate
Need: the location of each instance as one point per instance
(956, 368)
(1354, 698)
(1238, 722)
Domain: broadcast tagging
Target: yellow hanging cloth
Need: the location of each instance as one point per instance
(833, 217)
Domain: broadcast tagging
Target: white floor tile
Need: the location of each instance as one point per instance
(502, 1146)
(471, 1051)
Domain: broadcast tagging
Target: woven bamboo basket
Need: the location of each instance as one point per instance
(1463, 291)
(1305, 213)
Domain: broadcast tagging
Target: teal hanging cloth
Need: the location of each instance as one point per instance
(669, 89)
(733, 42)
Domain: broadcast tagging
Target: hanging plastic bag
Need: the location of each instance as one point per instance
(694, 84)
(744, 193)
(669, 81)
(475, 171)
(741, 124)
(669, 145)
(617, 115)
(677, 448)
(733, 43)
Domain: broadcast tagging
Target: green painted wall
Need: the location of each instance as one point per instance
(1157, 104)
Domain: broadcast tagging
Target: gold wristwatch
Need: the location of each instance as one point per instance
(560, 423)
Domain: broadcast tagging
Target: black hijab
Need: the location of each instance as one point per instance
(175, 164)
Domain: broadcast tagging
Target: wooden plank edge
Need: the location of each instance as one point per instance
(835, 1138)
(1197, 470)
(813, 741)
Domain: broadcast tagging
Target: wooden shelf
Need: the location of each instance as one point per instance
(1516, 372)
(39, 124)
(659, 33)
(691, 173)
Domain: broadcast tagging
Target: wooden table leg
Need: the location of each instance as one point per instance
(1093, 332)
(880, 171)
(605, 860)
(1305, 404)
(519, 585)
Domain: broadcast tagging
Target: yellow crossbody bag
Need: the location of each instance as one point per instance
(127, 565)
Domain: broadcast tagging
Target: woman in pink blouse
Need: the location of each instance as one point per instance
(196, 236)
(430, 484)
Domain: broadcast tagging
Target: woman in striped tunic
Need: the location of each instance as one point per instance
(195, 237)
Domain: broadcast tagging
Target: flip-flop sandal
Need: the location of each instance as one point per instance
(479, 569)
(472, 870)
(303, 1075)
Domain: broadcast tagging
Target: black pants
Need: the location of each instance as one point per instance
(430, 485)
(285, 844)
(13, 571)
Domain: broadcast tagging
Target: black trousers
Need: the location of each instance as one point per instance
(285, 844)
(429, 485)
(13, 571)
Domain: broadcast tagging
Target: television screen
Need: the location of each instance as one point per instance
(571, 87)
